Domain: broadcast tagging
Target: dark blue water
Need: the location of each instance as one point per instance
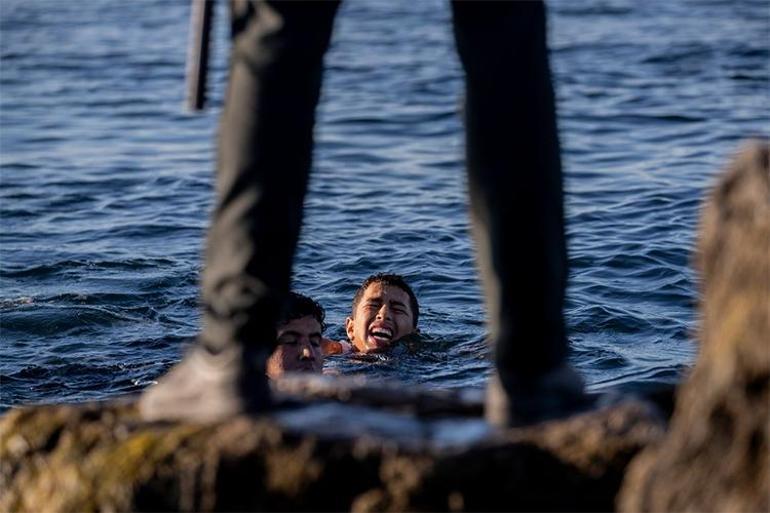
(107, 184)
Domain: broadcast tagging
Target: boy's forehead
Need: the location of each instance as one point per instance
(307, 323)
(392, 292)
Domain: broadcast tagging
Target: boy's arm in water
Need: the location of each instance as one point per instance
(330, 347)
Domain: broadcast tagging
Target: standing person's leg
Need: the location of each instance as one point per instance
(264, 159)
(515, 186)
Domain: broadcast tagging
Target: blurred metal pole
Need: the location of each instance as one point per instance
(201, 16)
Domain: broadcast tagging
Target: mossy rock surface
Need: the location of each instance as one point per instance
(102, 457)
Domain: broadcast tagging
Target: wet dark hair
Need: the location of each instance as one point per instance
(298, 306)
(395, 280)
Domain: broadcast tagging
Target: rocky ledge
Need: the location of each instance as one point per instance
(342, 444)
(317, 455)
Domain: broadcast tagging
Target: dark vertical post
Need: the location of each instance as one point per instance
(201, 15)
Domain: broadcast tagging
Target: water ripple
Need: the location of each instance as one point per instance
(107, 185)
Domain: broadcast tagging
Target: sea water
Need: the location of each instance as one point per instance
(106, 184)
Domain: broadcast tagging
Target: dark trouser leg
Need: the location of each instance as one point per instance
(265, 147)
(515, 185)
(264, 158)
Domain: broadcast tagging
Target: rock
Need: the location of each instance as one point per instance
(316, 454)
(384, 394)
(715, 456)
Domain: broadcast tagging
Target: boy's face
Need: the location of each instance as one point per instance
(299, 348)
(382, 316)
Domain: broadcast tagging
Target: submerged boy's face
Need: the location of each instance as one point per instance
(382, 316)
(299, 348)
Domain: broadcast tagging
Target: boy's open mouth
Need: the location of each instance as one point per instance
(380, 336)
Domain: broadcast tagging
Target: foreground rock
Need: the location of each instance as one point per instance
(321, 456)
(716, 456)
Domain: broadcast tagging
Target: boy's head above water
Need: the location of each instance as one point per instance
(299, 333)
(384, 310)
